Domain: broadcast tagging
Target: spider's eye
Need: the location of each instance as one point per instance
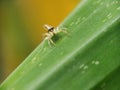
(51, 29)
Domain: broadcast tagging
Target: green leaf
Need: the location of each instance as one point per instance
(88, 58)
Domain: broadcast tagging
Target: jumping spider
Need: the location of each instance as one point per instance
(51, 31)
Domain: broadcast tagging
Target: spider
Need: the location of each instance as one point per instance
(51, 31)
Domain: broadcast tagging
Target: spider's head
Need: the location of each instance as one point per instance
(49, 28)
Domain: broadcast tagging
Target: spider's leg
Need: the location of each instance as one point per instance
(64, 31)
(48, 38)
(51, 41)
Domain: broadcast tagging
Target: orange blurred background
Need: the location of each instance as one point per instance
(22, 27)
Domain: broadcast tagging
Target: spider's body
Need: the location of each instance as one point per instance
(51, 31)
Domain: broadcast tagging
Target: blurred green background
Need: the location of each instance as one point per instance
(21, 27)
